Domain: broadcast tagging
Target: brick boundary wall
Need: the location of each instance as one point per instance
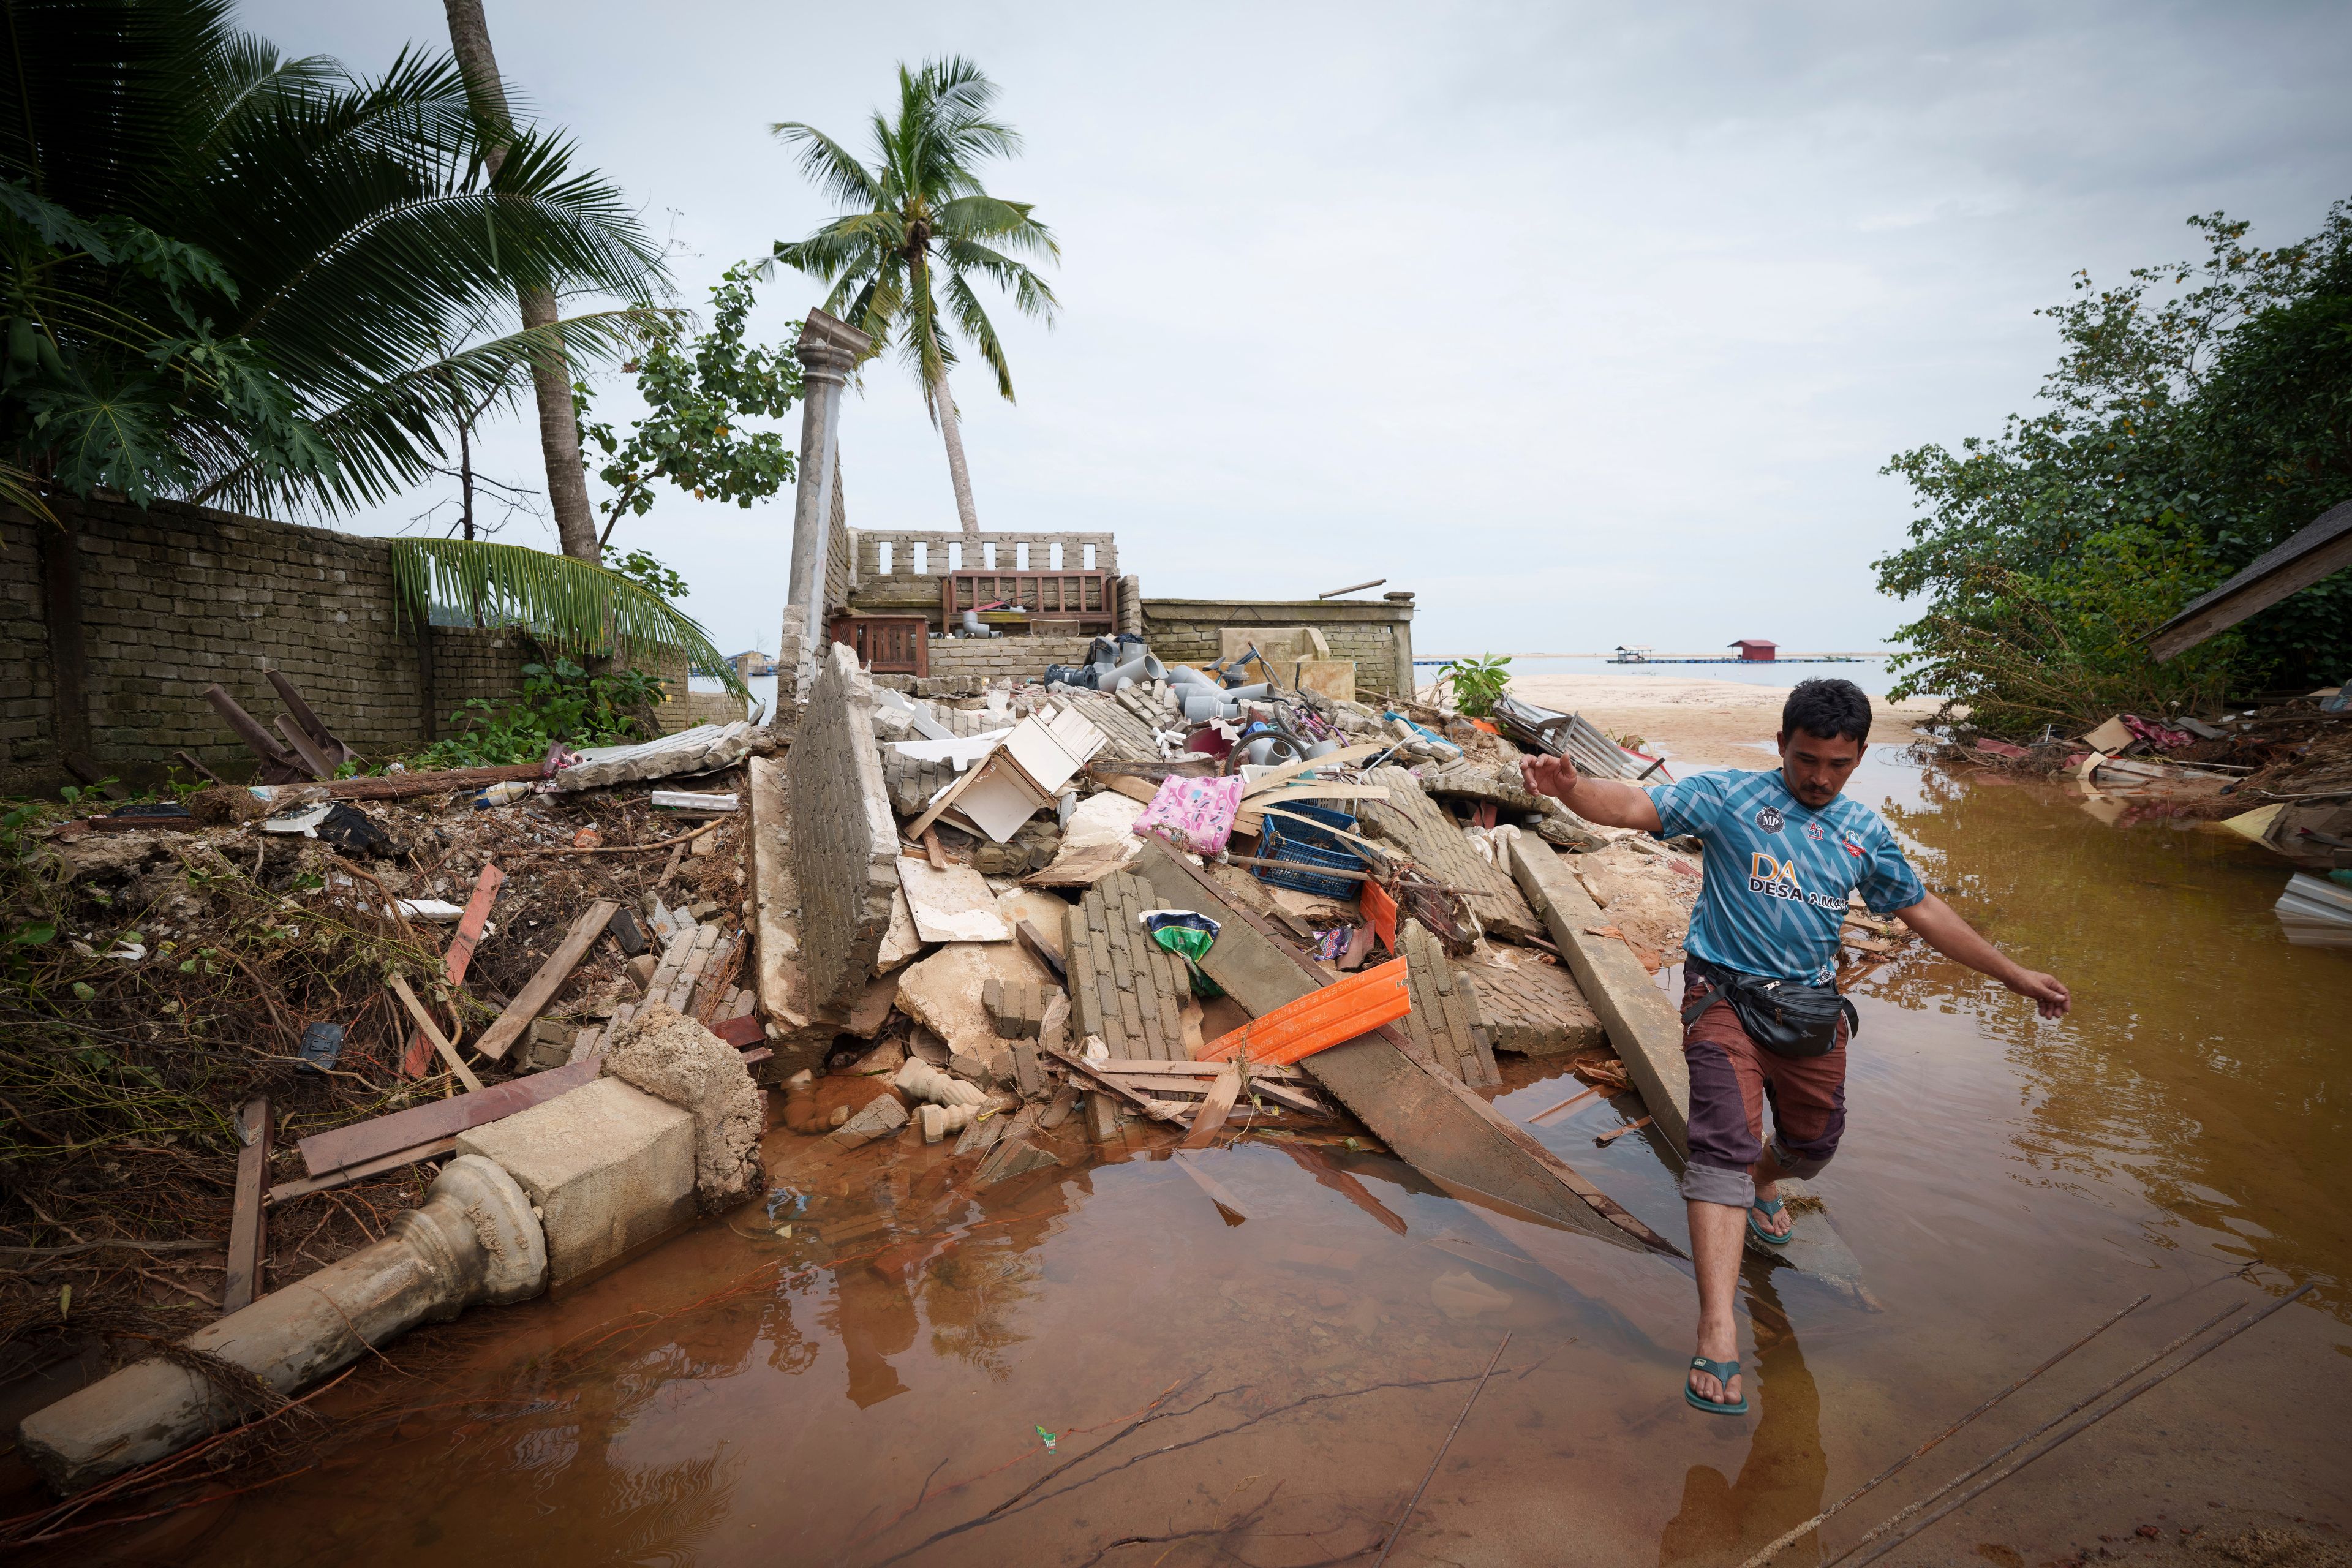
(111, 628)
(1376, 633)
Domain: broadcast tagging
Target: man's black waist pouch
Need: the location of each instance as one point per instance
(1787, 1018)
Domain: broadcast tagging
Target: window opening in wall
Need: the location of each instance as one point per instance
(1053, 556)
(987, 556)
(923, 561)
(1021, 557)
(1090, 557)
(882, 557)
(955, 557)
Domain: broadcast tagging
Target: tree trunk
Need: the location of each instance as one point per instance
(944, 402)
(550, 375)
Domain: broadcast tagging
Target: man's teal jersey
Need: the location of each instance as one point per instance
(1778, 872)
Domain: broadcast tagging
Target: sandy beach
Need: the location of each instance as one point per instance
(1710, 724)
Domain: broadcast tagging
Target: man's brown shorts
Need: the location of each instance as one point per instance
(1731, 1080)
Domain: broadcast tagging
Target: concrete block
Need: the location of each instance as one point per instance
(672, 1056)
(883, 1117)
(608, 1168)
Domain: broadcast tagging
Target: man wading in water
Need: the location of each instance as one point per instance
(1761, 1019)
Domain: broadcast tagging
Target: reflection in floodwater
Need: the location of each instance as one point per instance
(1783, 1481)
(2206, 1061)
(862, 1376)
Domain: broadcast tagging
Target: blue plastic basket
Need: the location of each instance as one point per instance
(1307, 846)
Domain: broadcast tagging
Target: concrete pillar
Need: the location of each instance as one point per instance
(828, 350)
(474, 1241)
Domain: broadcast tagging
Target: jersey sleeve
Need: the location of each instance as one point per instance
(1689, 805)
(1887, 882)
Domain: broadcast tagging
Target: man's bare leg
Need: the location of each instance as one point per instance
(1767, 1174)
(1718, 1233)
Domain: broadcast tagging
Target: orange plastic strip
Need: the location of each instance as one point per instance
(454, 961)
(1381, 911)
(1330, 1016)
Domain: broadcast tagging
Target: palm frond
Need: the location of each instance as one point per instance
(976, 325)
(570, 604)
(386, 434)
(831, 167)
(1032, 294)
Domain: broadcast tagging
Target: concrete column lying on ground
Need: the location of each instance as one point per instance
(608, 1167)
(828, 350)
(474, 1242)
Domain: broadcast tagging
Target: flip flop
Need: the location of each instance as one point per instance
(1768, 1207)
(1722, 1372)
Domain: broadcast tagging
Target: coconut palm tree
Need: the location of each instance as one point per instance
(234, 275)
(922, 222)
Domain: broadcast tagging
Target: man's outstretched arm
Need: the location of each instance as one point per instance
(1949, 934)
(1605, 801)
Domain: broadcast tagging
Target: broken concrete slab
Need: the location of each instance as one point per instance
(1444, 1029)
(1099, 838)
(1430, 1119)
(901, 942)
(1124, 987)
(844, 840)
(883, 1116)
(943, 993)
(1427, 834)
(675, 1058)
(1047, 912)
(608, 1167)
(1528, 1007)
(950, 903)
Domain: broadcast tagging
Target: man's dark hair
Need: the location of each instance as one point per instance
(1828, 709)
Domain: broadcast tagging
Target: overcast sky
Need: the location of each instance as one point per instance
(1589, 325)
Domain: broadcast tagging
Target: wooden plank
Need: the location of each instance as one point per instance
(524, 1010)
(1087, 1070)
(1431, 1120)
(1344, 756)
(287, 1192)
(431, 1031)
(1210, 1117)
(248, 1225)
(383, 1135)
(459, 958)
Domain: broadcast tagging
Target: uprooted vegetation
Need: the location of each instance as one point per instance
(156, 980)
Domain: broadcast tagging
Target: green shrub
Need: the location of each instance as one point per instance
(559, 702)
(1476, 683)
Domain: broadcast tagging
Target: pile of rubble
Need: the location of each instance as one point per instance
(2278, 772)
(991, 852)
(315, 962)
(1133, 902)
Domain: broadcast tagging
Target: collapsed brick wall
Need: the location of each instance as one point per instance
(845, 839)
(1377, 635)
(111, 628)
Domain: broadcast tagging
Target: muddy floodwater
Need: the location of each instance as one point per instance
(1267, 1384)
